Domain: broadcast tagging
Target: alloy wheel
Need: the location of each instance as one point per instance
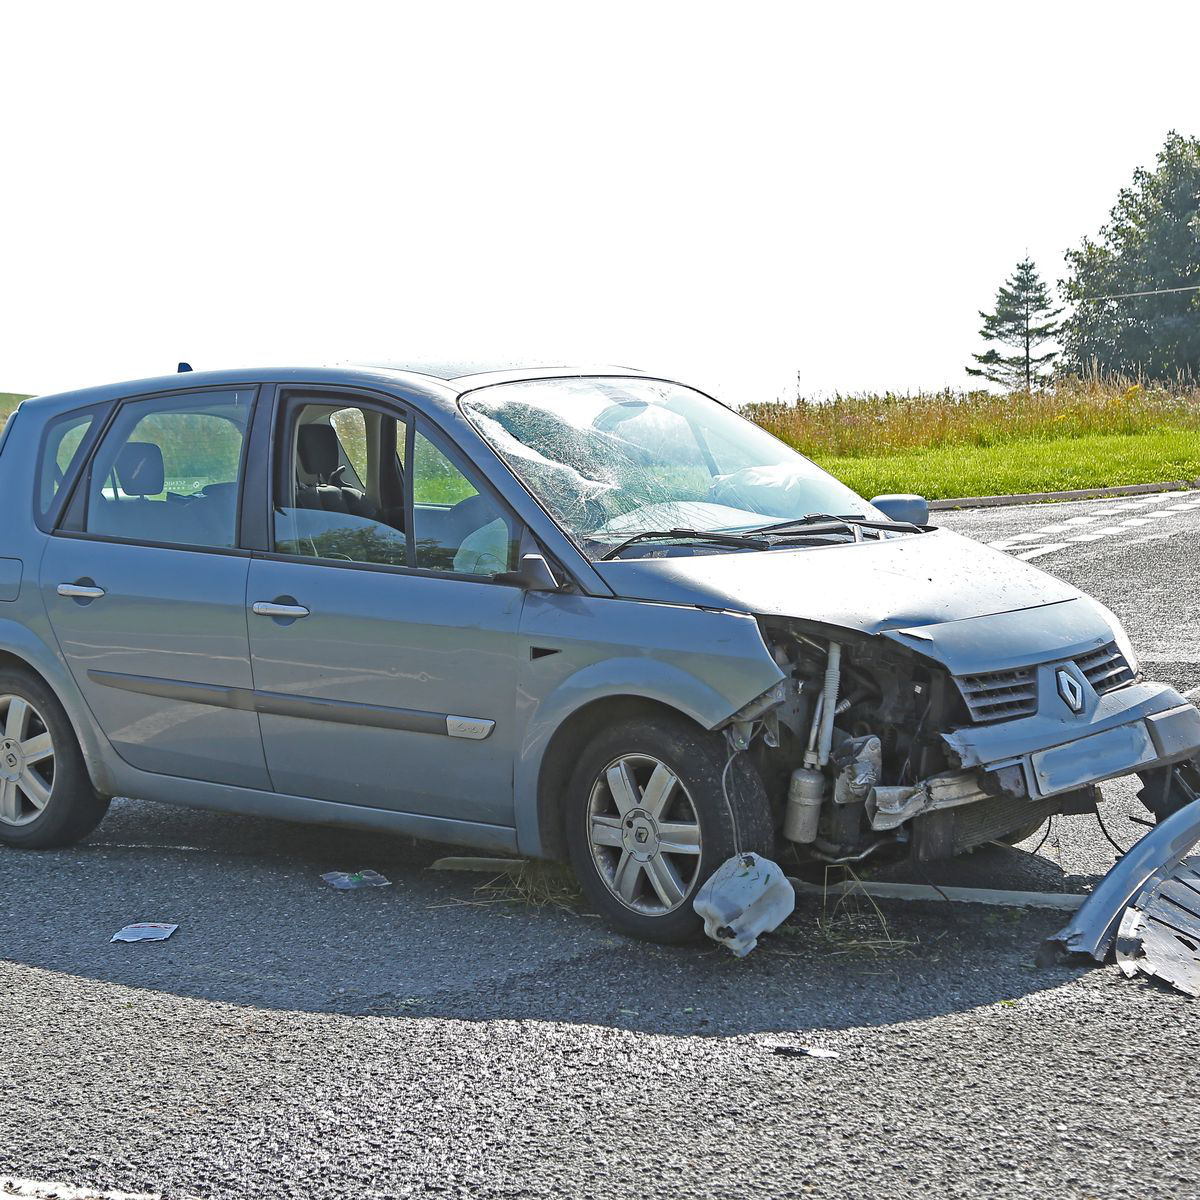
(644, 834)
(26, 761)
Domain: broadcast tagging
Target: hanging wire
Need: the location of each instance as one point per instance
(1134, 295)
(1121, 850)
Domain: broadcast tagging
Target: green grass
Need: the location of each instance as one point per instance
(1082, 433)
(1026, 465)
(8, 401)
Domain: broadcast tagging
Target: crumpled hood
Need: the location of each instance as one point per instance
(902, 583)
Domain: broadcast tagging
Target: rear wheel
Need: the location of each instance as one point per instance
(46, 796)
(647, 822)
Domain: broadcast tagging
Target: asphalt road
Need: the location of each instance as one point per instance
(426, 1038)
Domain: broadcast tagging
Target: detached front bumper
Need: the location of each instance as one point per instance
(1137, 728)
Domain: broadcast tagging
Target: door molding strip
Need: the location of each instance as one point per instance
(276, 704)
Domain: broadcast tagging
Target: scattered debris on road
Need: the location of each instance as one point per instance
(144, 931)
(1160, 934)
(744, 898)
(346, 881)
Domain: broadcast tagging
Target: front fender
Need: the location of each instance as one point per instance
(704, 664)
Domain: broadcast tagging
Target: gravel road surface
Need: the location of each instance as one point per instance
(430, 1039)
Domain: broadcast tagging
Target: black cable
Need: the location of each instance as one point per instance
(1121, 850)
(1049, 825)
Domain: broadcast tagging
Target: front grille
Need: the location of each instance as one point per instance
(1106, 668)
(1000, 695)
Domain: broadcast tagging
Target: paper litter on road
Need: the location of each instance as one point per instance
(346, 881)
(144, 931)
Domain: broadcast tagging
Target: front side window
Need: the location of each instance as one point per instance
(613, 457)
(340, 495)
(346, 492)
(457, 526)
(168, 470)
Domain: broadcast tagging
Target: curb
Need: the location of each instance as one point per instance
(1132, 489)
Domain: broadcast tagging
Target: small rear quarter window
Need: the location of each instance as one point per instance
(62, 449)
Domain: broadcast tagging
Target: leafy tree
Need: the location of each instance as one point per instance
(1024, 321)
(1150, 244)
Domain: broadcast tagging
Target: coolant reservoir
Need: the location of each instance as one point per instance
(746, 896)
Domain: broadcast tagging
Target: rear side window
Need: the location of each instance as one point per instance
(168, 470)
(63, 446)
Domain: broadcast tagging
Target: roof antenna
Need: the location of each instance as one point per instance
(183, 367)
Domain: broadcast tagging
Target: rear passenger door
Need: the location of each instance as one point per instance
(384, 645)
(145, 587)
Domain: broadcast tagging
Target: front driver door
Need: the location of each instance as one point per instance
(383, 649)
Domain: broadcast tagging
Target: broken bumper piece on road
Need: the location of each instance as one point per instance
(1147, 880)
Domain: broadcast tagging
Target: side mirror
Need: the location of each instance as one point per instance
(534, 575)
(912, 509)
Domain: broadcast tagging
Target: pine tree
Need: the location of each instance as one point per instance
(1024, 320)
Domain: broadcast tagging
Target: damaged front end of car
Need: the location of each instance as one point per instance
(932, 741)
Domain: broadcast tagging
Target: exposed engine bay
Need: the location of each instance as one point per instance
(850, 745)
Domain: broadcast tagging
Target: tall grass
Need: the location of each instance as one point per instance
(875, 426)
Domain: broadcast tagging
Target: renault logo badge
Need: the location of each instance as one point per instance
(1070, 689)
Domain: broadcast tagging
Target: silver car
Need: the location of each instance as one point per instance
(586, 614)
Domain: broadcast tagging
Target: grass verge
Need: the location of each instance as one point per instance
(1030, 465)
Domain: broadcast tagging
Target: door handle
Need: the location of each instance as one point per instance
(264, 608)
(80, 591)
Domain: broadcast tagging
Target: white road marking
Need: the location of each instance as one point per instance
(1034, 544)
(38, 1189)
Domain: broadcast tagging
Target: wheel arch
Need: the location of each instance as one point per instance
(564, 748)
(15, 655)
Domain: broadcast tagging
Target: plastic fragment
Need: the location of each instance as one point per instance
(745, 897)
(346, 881)
(144, 931)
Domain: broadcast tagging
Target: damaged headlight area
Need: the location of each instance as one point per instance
(851, 746)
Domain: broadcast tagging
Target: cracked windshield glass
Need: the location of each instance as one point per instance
(619, 458)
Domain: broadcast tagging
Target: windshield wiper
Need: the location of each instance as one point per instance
(830, 519)
(702, 535)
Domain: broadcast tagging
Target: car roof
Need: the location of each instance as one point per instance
(439, 381)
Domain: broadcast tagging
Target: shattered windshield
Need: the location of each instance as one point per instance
(614, 457)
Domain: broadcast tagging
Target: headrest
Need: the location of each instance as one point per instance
(318, 448)
(140, 469)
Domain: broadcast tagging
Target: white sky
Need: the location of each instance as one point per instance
(728, 193)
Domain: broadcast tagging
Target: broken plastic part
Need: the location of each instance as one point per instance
(346, 881)
(745, 897)
(1160, 934)
(1148, 860)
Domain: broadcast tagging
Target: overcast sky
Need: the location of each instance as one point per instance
(728, 193)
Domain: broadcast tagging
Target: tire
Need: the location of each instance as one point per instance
(615, 848)
(46, 796)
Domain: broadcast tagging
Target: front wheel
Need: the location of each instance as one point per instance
(651, 812)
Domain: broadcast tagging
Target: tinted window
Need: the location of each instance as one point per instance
(457, 526)
(167, 470)
(60, 452)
